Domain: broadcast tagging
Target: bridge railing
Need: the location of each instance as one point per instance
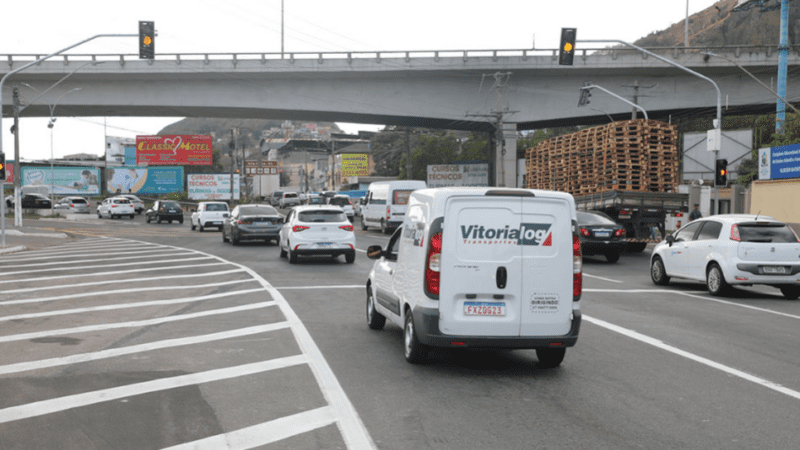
(395, 55)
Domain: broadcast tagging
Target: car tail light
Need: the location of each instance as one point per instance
(347, 227)
(679, 215)
(735, 233)
(71, 205)
(160, 209)
(113, 206)
(433, 264)
(298, 228)
(577, 267)
(619, 233)
(584, 232)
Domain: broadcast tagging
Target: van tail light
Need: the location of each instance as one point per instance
(735, 233)
(577, 267)
(347, 227)
(298, 228)
(388, 212)
(584, 232)
(619, 233)
(433, 264)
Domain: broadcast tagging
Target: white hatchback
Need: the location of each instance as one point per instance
(115, 207)
(317, 230)
(731, 249)
(210, 214)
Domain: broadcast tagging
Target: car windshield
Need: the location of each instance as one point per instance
(322, 216)
(174, 205)
(585, 218)
(216, 207)
(768, 232)
(340, 201)
(257, 211)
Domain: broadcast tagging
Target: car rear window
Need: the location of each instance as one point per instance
(322, 216)
(767, 232)
(340, 201)
(401, 197)
(77, 200)
(257, 211)
(121, 201)
(216, 207)
(290, 195)
(316, 201)
(174, 205)
(585, 218)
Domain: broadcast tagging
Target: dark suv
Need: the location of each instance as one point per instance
(168, 210)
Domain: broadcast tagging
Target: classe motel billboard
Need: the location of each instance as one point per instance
(174, 150)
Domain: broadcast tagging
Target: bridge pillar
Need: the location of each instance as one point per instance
(506, 156)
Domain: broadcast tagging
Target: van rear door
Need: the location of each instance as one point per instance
(547, 266)
(481, 266)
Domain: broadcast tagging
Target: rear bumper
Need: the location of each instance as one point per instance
(426, 321)
(602, 247)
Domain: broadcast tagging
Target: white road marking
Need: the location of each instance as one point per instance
(601, 278)
(91, 250)
(80, 261)
(44, 407)
(62, 312)
(140, 263)
(129, 280)
(63, 255)
(264, 433)
(727, 369)
(115, 272)
(120, 291)
(158, 345)
(345, 286)
(134, 324)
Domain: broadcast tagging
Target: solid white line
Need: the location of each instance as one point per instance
(170, 251)
(134, 324)
(120, 291)
(115, 272)
(94, 248)
(63, 312)
(140, 263)
(264, 433)
(686, 294)
(727, 369)
(130, 280)
(78, 255)
(601, 278)
(44, 407)
(114, 352)
(345, 286)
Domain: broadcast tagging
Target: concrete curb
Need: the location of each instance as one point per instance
(12, 249)
(50, 235)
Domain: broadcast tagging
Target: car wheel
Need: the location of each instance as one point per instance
(657, 272)
(224, 238)
(132, 216)
(550, 357)
(158, 219)
(363, 225)
(139, 211)
(791, 292)
(193, 226)
(169, 220)
(350, 258)
(98, 215)
(715, 281)
(415, 351)
(234, 239)
(375, 320)
(612, 257)
(147, 219)
(200, 227)
(180, 221)
(283, 252)
(292, 256)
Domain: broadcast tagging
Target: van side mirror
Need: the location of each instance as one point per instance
(670, 239)
(374, 252)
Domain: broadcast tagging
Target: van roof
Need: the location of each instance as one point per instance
(440, 195)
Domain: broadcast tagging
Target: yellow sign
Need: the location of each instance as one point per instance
(355, 165)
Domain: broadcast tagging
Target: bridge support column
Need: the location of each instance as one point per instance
(506, 156)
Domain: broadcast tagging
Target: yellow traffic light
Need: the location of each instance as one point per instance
(567, 48)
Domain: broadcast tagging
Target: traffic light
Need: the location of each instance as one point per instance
(586, 92)
(721, 173)
(2, 168)
(147, 40)
(567, 49)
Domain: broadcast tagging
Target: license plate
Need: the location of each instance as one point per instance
(484, 308)
(324, 244)
(774, 269)
(172, 210)
(602, 233)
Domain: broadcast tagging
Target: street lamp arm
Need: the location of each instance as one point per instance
(54, 85)
(617, 96)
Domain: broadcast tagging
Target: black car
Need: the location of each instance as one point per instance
(600, 235)
(252, 222)
(168, 210)
(35, 201)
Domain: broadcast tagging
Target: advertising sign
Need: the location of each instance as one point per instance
(779, 162)
(63, 180)
(251, 168)
(355, 164)
(445, 175)
(144, 180)
(10, 172)
(130, 156)
(212, 186)
(174, 149)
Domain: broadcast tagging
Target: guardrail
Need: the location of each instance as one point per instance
(406, 55)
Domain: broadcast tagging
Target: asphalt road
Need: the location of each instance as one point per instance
(654, 367)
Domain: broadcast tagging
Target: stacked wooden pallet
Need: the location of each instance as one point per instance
(632, 155)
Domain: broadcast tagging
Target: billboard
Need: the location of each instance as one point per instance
(355, 165)
(779, 162)
(212, 186)
(144, 180)
(174, 150)
(63, 180)
(445, 175)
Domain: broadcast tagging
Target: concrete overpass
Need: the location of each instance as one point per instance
(439, 89)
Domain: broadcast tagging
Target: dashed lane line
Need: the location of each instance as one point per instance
(113, 272)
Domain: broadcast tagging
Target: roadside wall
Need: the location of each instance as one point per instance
(777, 198)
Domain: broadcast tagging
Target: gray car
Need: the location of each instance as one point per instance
(252, 222)
(76, 205)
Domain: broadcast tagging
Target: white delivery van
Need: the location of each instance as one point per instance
(481, 268)
(386, 201)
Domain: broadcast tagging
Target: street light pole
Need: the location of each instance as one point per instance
(617, 96)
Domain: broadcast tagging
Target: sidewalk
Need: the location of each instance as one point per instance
(30, 238)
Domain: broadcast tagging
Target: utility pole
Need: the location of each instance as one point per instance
(500, 84)
(232, 147)
(636, 87)
(17, 165)
(409, 163)
(260, 173)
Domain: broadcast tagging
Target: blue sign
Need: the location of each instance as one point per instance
(779, 162)
(144, 180)
(130, 156)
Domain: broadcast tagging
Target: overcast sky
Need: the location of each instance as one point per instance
(208, 26)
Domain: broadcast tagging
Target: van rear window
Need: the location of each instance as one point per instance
(401, 197)
(770, 232)
(216, 207)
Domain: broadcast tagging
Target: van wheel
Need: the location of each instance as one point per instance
(384, 228)
(657, 272)
(363, 225)
(550, 357)
(715, 281)
(375, 320)
(612, 257)
(791, 292)
(415, 351)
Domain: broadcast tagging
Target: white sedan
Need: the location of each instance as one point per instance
(115, 207)
(317, 230)
(730, 249)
